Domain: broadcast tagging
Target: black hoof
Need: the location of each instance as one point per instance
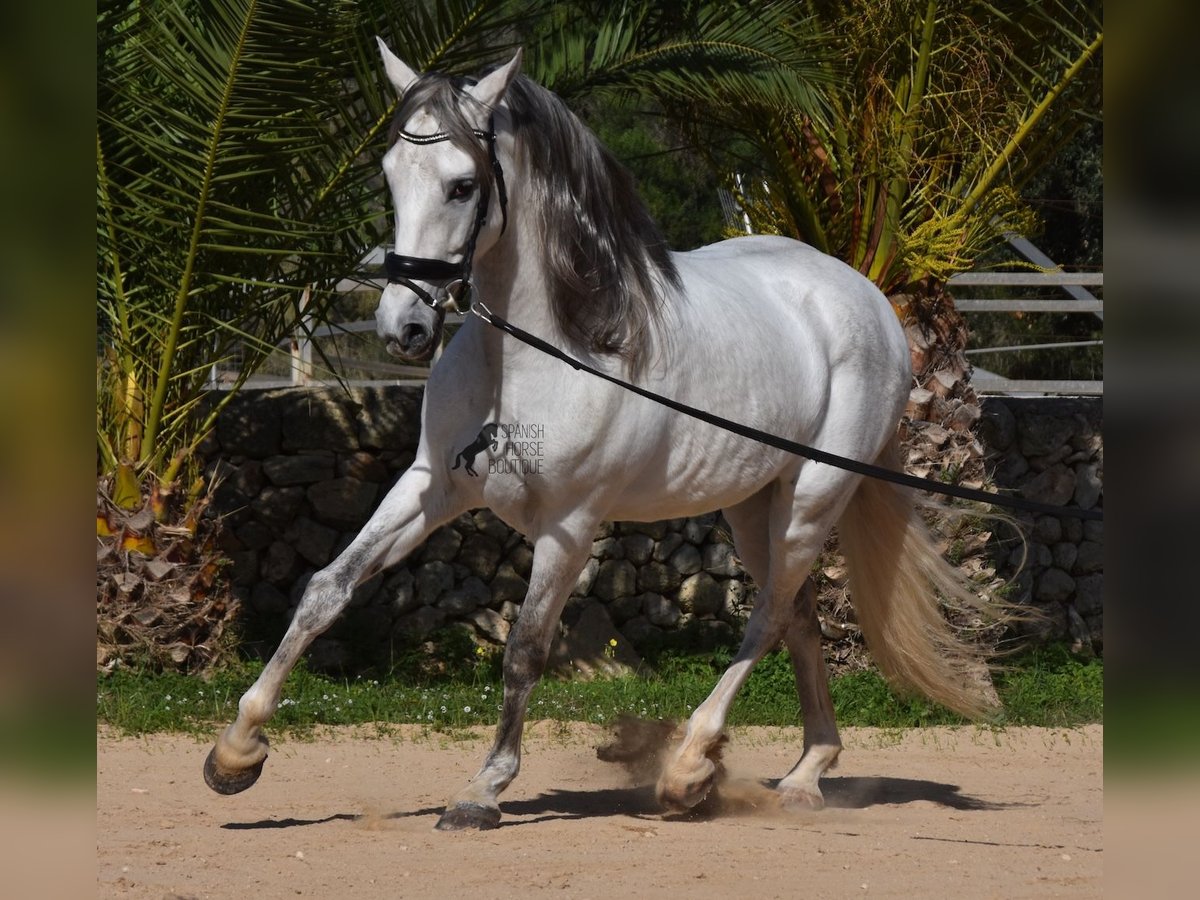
(230, 782)
(469, 816)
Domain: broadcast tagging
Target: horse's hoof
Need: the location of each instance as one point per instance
(469, 817)
(680, 794)
(797, 800)
(224, 782)
(683, 801)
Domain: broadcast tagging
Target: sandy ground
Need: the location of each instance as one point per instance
(928, 813)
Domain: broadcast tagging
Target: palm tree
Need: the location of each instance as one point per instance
(236, 156)
(939, 113)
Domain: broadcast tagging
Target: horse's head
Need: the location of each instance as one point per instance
(446, 183)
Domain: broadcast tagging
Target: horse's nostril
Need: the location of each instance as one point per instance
(411, 334)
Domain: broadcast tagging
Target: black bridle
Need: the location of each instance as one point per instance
(403, 269)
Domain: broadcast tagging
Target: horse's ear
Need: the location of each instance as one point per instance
(399, 74)
(491, 87)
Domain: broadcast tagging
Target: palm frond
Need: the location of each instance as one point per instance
(719, 54)
(944, 110)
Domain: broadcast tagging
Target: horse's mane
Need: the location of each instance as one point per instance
(607, 262)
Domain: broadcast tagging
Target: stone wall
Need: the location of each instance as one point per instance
(1052, 450)
(301, 470)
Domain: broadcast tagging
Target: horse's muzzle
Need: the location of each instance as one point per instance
(415, 342)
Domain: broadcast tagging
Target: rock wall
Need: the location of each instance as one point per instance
(300, 470)
(1052, 450)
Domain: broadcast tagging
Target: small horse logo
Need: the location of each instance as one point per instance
(466, 456)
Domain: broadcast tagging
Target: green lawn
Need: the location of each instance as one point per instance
(1045, 687)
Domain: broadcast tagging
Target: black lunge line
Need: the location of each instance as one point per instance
(773, 440)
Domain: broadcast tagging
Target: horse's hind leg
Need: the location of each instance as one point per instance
(405, 518)
(798, 514)
(821, 742)
(557, 560)
(803, 640)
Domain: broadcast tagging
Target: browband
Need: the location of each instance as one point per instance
(440, 136)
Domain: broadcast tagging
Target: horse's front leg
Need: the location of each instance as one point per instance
(415, 507)
(558, 558)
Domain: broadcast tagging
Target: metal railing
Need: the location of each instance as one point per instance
(1078, 299)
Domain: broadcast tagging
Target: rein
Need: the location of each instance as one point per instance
(404, 269)
(841, 462)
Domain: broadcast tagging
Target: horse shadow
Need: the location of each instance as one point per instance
(638, 802)
(861, 792)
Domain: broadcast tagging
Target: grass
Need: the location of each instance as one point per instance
(1047, 686)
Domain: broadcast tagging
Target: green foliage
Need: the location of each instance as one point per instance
(1047, 687)
(219, 200)
(864, 698)
(942, 112)
(1052, 687)
(679, 190)
(694, 53)
(771, 687)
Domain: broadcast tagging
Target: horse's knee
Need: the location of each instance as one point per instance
(325, 596)
(525, 656)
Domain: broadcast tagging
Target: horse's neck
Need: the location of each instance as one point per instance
(512, 283)
(511, 280)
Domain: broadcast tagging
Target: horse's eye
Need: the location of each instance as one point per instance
(461, 190)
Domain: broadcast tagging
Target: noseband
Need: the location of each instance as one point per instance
(403, 269)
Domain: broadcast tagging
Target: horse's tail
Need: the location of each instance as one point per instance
(896, 574)
(457, 462)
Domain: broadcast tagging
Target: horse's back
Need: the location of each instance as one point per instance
(783, 262)
(803, 306)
